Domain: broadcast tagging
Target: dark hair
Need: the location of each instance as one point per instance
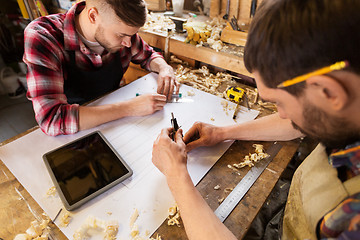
(131, 12)
(288, 38)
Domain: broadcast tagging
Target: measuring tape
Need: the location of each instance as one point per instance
(232, 200)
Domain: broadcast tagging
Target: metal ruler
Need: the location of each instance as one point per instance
(232, 200)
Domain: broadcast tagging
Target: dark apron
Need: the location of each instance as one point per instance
(81, 86)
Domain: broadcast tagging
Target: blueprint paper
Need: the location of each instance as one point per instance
(133, 139)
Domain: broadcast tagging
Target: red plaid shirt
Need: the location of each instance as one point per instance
(47, 40)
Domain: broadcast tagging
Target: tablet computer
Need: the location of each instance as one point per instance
(85, 168)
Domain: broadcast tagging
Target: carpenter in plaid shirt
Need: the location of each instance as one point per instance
(83, 54)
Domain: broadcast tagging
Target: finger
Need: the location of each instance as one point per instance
(179, 136)
(158, 109)
(166, 89)
(192, 145)
(159, 97)
(177, 85)
(172, 85)
(159, 104)
(166, 132)
(191, 133)
(160, 88)
(157, 139)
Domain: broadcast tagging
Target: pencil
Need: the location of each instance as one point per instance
(336, 66)
(236, 108)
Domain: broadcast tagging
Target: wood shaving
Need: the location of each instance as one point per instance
(190, 93)
(134, 231)
(252, 96)
(173, 210)
(133, 217)
(202, 79)
(158, 237)
(252, 158)
(158, 23)
(174, 216)
(51, 192)
(268, 105)
(109, 228)
(227, 190)
(206, 33)
(220, 200)
(37, 230)
(174, 59)
(217, 187)
(235, 170)
(227, 107)
(65, 218)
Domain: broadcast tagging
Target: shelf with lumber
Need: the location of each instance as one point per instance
(178, 47)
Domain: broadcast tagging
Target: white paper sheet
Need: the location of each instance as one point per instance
(133, 138)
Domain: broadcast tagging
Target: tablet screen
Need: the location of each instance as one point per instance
(84, 168)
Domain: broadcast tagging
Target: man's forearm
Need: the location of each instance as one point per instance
(269, 128)
(157, 64)
(92, 116)
(199, 220)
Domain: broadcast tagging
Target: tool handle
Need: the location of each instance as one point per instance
(174, 125)
(253, 8)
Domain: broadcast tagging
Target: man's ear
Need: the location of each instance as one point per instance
(93, 15)
(329, 91)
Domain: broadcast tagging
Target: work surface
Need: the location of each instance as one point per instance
(18, 212)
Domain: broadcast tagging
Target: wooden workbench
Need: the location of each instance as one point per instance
(16, 202)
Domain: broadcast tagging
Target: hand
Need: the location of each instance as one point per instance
(147, 104)
(202, 134)
(167, 82)
(170, 156)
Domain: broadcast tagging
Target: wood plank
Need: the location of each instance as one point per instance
(156, 5)
(229, 35)
(234, 8)
(215, 8)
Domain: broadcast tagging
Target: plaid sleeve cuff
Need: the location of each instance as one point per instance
(62, 120)
(152, 57)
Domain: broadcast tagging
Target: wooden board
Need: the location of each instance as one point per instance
(215, 8)
(156, 5)
(229, 35)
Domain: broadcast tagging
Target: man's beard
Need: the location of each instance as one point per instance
(99, 37)
(333, 132)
